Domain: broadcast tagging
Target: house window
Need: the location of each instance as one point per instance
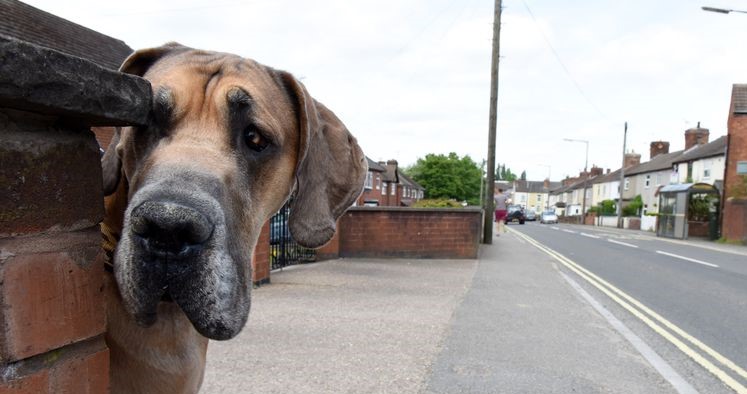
(742, 168)
(369, 180)
(394, 189)
(658, 179)
(647, 183)
(378, 182)
(706, 173)
(421, 194)
(383, 189)
(627, 183)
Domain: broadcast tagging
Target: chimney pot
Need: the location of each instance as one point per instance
(658, 148)
(696, 136)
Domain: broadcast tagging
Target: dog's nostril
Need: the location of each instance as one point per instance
(168, 227)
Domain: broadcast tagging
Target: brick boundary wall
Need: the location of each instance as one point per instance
(52, 313)
(391, 232)
(734, 212)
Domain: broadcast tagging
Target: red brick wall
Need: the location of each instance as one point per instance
(261, 258)
(52, 316)
(410, 232)
(331, 250)
(734, 226)
(734, 221)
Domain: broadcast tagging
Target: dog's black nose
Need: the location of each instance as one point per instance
(170, 229)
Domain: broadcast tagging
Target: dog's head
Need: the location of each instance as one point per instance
(229, 140)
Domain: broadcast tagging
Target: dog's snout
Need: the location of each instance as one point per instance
(169, 228)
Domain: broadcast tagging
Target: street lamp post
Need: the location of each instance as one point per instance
(549, 175)
(586, 174)
(721, 10)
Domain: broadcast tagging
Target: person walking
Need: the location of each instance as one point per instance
(500, 211)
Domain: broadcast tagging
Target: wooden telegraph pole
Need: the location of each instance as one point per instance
(488, 203)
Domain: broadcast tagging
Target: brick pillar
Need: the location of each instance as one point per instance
(52, 316)
(261, 258)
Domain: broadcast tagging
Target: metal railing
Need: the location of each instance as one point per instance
(284, 251)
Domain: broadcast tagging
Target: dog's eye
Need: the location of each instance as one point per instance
(254, 140)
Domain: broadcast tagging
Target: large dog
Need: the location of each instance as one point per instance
(228, 142)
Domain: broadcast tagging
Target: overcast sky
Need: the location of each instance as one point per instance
(412, 77)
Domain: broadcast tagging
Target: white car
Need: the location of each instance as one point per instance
(548, 217)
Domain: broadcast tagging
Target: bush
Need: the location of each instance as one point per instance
(437, 203)
(607, 208)
(634, 208)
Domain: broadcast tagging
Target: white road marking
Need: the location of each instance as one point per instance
(664, 368)
(622, 243)
(555, 228)
(686, 258)
(590, 235)
(569, 231)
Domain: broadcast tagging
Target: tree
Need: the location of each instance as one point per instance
(448, 177)
(523, 176)
(504, 174)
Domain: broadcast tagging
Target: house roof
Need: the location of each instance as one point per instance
(504, 185)
(534, 186)
(716, 147)
(24, 22)
(740, 98)
(407, 181)
(374, 166)
(611, 177)
(659, 162)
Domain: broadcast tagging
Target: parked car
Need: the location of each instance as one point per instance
(515, 214)
(548, 217)
(530, 215)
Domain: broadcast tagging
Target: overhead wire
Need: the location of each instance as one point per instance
(562, 64)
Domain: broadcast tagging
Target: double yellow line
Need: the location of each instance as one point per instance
(655, 321)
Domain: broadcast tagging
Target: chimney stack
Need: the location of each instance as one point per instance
(596, 171)
(696, 136)
(658, 148)
(632, 159)
(546, 183)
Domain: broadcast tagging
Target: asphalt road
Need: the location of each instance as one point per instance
(701, 292)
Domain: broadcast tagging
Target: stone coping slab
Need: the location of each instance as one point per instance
(45, 81)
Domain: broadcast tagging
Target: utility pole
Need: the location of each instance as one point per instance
(622, 180)
(488, 203)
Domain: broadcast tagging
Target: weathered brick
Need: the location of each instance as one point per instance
(50, 292)
(36, 383)
(78, 368)
(88, 374)
(50, 176)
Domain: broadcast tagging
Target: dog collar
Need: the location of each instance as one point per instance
(109, 244)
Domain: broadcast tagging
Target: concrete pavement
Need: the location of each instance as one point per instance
(506, 323)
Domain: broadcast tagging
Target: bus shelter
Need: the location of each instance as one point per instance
(685, 204)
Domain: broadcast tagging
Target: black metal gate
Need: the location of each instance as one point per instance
(284, 251)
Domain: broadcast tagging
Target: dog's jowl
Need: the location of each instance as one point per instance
(228, 141)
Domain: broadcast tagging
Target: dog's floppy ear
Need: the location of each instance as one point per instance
(111, 165)
(330, 171)
(136, 64)
(141, 60)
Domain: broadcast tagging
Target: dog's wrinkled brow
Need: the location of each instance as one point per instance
(240, 103)
(239, 97)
